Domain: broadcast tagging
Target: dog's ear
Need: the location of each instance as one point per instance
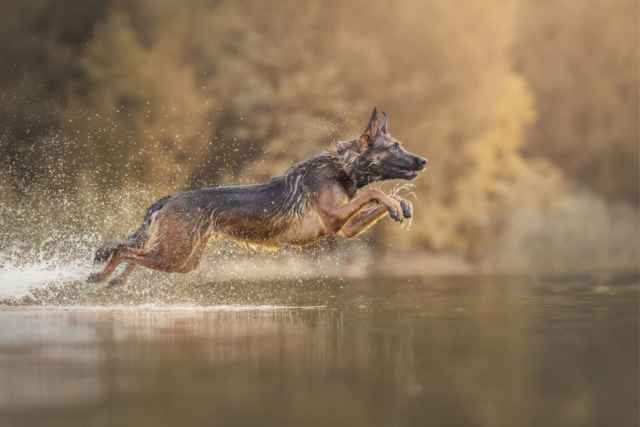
(385, 123)
(373, 127)
(371, 131)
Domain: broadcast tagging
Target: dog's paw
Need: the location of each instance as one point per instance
(396, 213)
(95, 278)
(396, 209)
(407, 208)
(116, 282)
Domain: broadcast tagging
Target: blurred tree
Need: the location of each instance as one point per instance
(582, 60)
(454, 96)
(139, 115)
(39, 45)
(292, 82)
(170, 95)
(287, 83)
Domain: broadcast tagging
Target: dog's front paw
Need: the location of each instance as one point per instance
(407, 208)
(95, 278)
(395, 212)
(395, 215)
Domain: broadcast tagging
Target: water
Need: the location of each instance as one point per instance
(20, 280)
(466, 351)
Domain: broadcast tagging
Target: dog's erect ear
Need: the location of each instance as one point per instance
(385, 123)
(373, 127)
(371, 131)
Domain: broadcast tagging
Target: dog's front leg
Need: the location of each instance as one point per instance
(363, 219)
(369, 215)
(337, 216)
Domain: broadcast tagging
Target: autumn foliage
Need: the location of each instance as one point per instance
(518, 105)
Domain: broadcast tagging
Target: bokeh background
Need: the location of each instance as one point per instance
(526, 109)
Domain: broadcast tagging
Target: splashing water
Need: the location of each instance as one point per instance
(48, 237)
(47, 244)
(19, 280)
(60, 258)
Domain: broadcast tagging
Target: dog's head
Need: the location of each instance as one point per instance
(378, 156)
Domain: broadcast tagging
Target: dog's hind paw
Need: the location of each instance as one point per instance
(116, 282)
(95, 278)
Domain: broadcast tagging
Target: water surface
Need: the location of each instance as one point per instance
(467, 351)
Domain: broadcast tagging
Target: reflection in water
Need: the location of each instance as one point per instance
(447, 352)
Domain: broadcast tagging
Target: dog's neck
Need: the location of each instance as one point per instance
(360, 176)
(353, 165)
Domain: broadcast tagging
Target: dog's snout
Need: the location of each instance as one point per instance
(421, 162)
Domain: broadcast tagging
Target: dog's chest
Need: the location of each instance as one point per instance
(311, 226)
(303, 230)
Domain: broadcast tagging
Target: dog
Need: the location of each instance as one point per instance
(325, 195)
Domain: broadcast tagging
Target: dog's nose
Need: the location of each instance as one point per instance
(421, 162)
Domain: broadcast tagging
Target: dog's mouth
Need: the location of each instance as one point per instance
(407, 170)
(411, 175)
(402, 173)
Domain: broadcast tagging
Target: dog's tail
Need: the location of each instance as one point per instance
(135, 239)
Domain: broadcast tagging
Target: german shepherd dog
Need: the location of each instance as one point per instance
(325, 195)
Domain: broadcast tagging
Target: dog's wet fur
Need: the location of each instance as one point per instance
(325, 195)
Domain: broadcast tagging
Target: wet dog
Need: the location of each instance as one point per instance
(325, 195)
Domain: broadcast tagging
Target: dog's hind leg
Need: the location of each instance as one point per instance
(113, 254)
(121, 278)
(114, 258)
(150, 259)
(175, 262)
(113, 263)
(133, 256)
